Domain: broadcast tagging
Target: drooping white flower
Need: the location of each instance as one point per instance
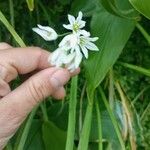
(86, 44)
(61, 57)
(75, 24)
(46, 32)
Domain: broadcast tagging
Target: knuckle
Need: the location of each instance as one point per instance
(7, 72)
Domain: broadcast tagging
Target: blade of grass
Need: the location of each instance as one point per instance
(72, 114)
(85, 133)
(136, 68)
(11, 30)
(11, 8)
(140, 93)
(143, 32)
(80, 109)
(114, 122)
(100, 144)
(22, 140)
(127, 110)
(111, 88)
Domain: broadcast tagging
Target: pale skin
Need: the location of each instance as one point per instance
(17, 104)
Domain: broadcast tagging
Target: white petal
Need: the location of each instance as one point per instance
(65, 41)
(81, 24)
(68, 26)
(69, 58)
(80, 15)
(71, 67)
(85, 51)
(54, 56)
(42, 33)
(91, 46)
(71, 19)
(92, 39)
(84, 33)
(69, 41)
(46, 32)
(78, 57)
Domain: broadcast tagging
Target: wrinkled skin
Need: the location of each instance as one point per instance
(17, 104)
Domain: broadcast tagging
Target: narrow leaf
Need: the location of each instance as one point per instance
(72, 114)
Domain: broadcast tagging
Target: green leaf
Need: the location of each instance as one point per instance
(30, 4)
(85, 133)
(11, 30)
(72, 114)
(136, 68)
(54, 138)
(34, 140)
(113, 33)
(112, 7)
(143, 6)
(88, 7)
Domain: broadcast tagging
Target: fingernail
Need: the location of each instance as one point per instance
(55, 82)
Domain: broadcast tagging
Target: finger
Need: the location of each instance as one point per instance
(4, 88)
(36, 88)
(60, 93)
(4, 45)
(22, 61)
(16, 105)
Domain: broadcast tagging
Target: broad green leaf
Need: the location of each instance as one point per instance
(34, 140)
(143, 6)
(54, 138)
(113, 33)
(112, 7)
(88, 7)
(30, 4)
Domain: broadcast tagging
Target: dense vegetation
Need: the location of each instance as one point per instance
(108, 103)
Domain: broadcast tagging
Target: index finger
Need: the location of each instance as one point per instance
(25, 60)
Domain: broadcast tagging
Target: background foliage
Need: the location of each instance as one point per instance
(107, 105)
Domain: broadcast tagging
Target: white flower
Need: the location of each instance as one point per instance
(47, 33)
(75, 24)
(86, 44)
(61, 57)
(69, 42)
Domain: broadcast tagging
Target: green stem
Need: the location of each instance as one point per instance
(140, 93)
(80, 109)
(9, 146)
(72, 114)
(11, 30)
(45, 12)
(111, 88)
(26, 129)
(43, 108)
(64, 34)
(100, 144)
(11, 8)
(136, 68)
(145, 111)
(85, 133)
(144, 33)
(114, 122)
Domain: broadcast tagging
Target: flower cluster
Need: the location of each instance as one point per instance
(73, 46)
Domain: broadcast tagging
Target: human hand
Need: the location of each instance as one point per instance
(15, 105)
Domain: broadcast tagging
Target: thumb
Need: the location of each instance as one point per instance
(36, 88)
(16, 105)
